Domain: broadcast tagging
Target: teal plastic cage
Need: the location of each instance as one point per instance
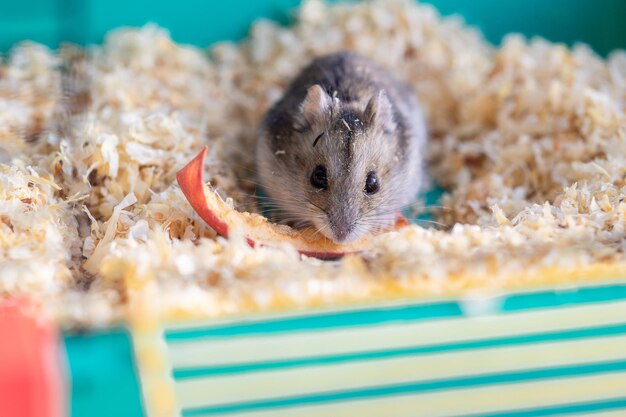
(596, 22)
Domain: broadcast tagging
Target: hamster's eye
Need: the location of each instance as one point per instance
(371, 183)
(318, 178)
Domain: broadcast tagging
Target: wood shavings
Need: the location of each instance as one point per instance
(93, 263)
(529, 139)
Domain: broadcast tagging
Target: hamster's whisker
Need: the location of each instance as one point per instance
(278, 202)
(319, 230)
(418, 221)
(287, 212)
(365, 214)
(321, 209)
(375, 224)
(437, 207)
(262, 197)
(421, 209)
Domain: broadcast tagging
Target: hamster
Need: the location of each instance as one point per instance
(343, 150)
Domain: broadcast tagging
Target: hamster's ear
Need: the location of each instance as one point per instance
(379, 113)
(316, 104)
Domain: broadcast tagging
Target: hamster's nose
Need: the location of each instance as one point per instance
(342, 232)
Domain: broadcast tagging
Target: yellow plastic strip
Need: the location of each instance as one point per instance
(473, 400)
(300, 381)
(200, 353)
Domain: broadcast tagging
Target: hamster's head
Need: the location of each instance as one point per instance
(337, 166)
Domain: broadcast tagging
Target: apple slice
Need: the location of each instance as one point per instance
(258, 230)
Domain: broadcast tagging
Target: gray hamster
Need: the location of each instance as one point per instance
(343, 150)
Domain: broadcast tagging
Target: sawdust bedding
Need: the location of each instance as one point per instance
(528, 139)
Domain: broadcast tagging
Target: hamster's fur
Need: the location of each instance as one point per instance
(343, 150)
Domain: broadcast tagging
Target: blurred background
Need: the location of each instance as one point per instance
(201, 22)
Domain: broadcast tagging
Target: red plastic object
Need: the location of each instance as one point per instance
(31, 379)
